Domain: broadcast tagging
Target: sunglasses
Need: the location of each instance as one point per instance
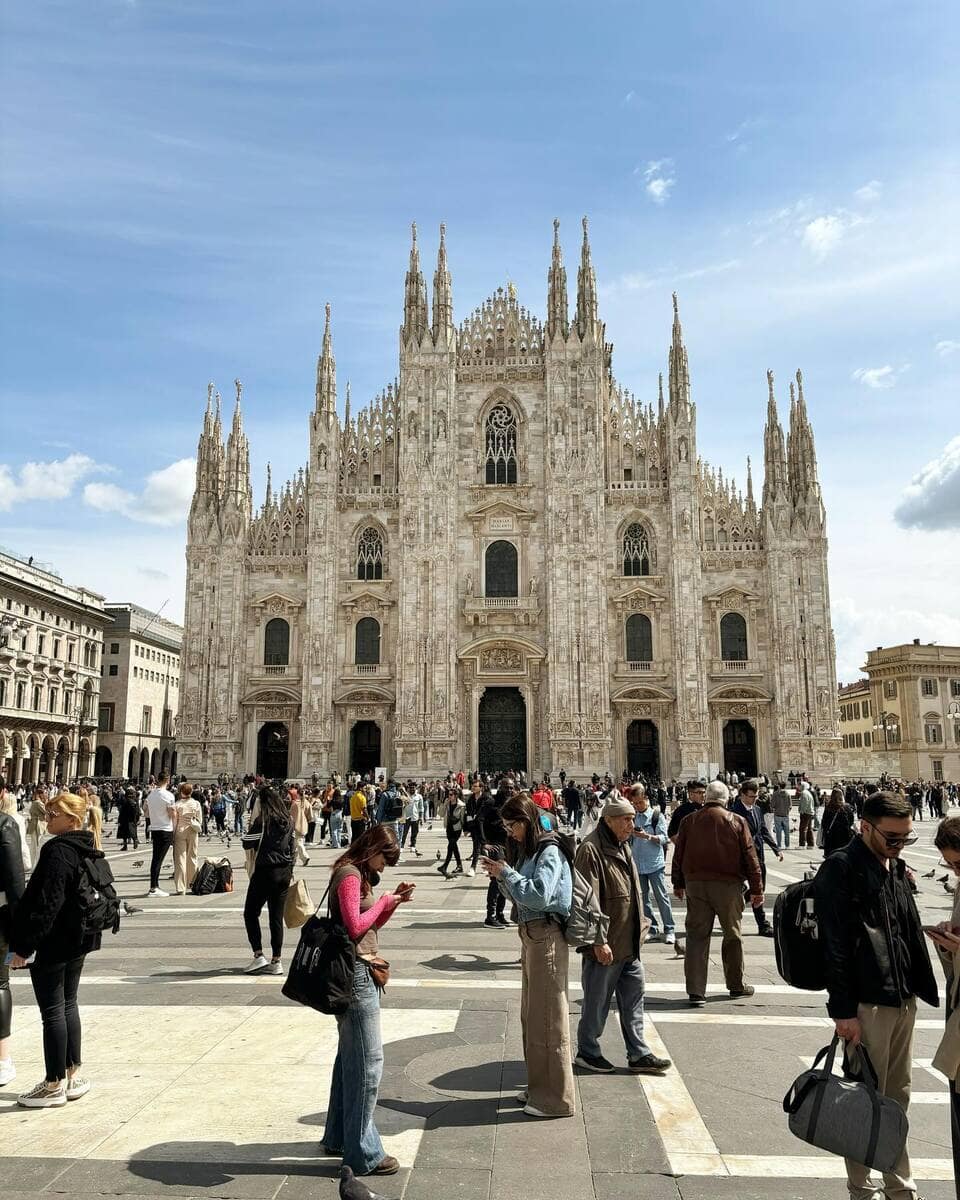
(893, 842)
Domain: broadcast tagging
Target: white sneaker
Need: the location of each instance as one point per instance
(77, 1086)
(670, 939)
(274, 968)
(259, 962)
(471, 873)
(8, 1072)
(157, 892)
(44, 1095)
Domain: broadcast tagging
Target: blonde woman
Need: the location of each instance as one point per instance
(48, 923)
(187, 823)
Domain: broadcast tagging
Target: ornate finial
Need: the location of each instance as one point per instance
(413, 231)
(239, 386)
(217, 397)
(209, 395)
(793, 395)
(269, 483)
(676, 307)
(443, 233)
(585, 228)
(511, 289)
(770, 385)
(556, 229)
(326, 309)
(800, 385)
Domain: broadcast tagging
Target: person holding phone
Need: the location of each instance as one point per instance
(946, 938)
(350, 1131)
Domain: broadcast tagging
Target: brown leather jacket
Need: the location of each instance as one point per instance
(609, 868)
(716, 845)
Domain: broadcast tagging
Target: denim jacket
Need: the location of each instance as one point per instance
(539, 885)
(649, 855)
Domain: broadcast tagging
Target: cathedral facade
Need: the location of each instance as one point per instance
(507, 560)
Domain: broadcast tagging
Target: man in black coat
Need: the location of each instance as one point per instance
(696, 793)
(745, 806)
(876, 959)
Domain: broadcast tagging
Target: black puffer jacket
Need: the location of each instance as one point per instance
(48, 919)
(11, 870)
(862, 921)
(276, 846)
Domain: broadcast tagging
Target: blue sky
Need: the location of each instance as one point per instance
(183, 186)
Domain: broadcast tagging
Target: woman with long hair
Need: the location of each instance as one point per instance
(837, 823)
(48, 922)
(270, 878)
(946, 938)
(187, 823)
(350, 1129)
(539, 880)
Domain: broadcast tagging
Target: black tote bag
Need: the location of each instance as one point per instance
(321, 973)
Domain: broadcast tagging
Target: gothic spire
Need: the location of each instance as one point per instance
(557, 315)
(803, 456)
(327, 373)
(237, 463)
(679, 368)
(415, 296)
(774, 457)
(660, 395)
(442, 292)
(268, 497)
(586, 287)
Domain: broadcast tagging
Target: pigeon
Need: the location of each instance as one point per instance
(679, 948)
(929, 874)
(352, 1189)
(139, 863)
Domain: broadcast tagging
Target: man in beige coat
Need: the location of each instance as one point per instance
(947, 941)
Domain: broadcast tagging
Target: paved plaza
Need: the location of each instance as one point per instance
(208, 1083)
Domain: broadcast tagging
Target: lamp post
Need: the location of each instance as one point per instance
(888, 723)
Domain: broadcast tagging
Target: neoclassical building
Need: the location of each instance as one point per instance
(507, 559)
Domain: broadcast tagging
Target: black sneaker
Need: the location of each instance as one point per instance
(697, 1001)
(648, 1065)
(492, 923)
(596, 1063)
(766, 931)
(747, 990)
(502, 921)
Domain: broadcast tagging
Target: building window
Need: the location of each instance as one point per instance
(70, 648)
(276, 643)
(889, 689)
(501, 572)
(21, 694)
(501, 445)
(733, 637)
(3, 693)
(639, 633)
(955, 689)
(937, 764)
(367, 642)
(636, 550)
(868, 738)
(856, 710)
(866, 708)
(114, 647)
(105, 718)
(114, 669)
(56, 647)
(37, 699)
(67, 702)
(146, 720)
(928, 687)
(41, 643)
(933, 733)
(53, 699)
(370, 554)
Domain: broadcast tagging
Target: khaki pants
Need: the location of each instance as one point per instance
(707, 900)
(888, 1037)
(184, 859)
(545, 1018)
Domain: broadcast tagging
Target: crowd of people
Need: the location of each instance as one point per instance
(557, 856)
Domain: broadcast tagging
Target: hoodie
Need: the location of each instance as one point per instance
(48, 919)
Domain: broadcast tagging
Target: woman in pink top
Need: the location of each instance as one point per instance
(350, 1130)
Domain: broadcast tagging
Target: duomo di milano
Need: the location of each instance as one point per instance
(507, 560)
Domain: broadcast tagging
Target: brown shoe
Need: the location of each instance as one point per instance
(388, 1166)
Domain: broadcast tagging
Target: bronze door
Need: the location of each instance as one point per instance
(502, 730)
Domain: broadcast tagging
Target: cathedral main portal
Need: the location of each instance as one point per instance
(502, 730)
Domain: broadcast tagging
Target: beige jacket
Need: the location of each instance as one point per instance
(947, 1058)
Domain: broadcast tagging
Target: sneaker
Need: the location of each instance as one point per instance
(697, 1001)
(157, 892)
(259, 962)
(522, 1096)
(77, 1086)
(590, 1062)
(44, 1095)
(653, 935)
(530, 1111)
(648, 1065)
(387, 1166)
(503, 921)
(331, 1151)
(471, 872)
(670, 939)
(440, 866)
(492, 923)
(418, 854)
(767, 931)
(274, 968)
(457, 871)
(8, 1072)
(746, 990)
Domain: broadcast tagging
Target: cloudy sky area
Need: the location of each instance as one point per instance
(185, 184)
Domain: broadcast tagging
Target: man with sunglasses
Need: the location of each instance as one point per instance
(876, 962)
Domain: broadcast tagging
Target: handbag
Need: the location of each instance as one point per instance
(846, 1115)
(320, 975)
(297, 906)
(379, 971)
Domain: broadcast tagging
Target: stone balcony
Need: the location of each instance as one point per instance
(272, 670)
(735, 668)
(626, 669)
(501, 610)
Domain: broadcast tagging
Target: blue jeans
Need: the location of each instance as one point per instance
(656, 882)
(356, 1079)
(782, 825)
(336, 824)
(599, 985)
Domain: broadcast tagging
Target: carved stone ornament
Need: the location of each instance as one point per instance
(501, 658)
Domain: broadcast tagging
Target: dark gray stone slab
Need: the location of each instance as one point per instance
(243, 1181)
(29, 1174)
(635, 1187)
(459, 1184)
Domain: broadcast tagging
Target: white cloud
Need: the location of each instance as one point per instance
(54, 480)
(165, 499)
(861, 628)
(822, 235)
(869, 192)
(659, 178)
(947, 347)
(628, 98)
(932, 498)
(879, 377)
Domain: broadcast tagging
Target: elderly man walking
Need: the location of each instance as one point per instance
(714, 855)
(605, 860)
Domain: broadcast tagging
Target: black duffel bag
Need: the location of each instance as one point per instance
(320, 975)
(205, 880)
(847, 1115)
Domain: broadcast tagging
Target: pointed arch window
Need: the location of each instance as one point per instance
(276, 643)
(501, 445)
(367, 642)
(636, 550)
(370, 554)
(501, 575)
(639, 632)
(733, 637)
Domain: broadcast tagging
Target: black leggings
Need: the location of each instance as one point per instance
(413, 828)
(162, 841)
(268, 885)
(55, 987)
(453, 850)
(6, 1000)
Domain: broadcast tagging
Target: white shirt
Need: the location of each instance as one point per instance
(160, 804)
(413, 807)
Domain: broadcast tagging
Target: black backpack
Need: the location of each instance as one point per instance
(393, 809)
(97, 898)
(796, 936)
(205, 880)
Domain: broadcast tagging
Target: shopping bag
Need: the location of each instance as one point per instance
(297, 906)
